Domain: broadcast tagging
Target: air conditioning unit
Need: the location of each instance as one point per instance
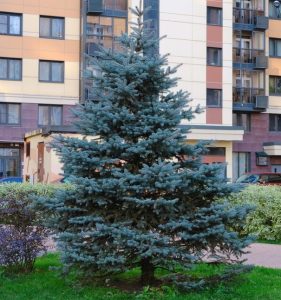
(261, 22)
(261, 102)
(95, 7)
(261, 62)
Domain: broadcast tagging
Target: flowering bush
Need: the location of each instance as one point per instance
(21, 232)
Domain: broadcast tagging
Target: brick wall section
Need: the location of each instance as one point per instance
(29, 122)
(253, 141)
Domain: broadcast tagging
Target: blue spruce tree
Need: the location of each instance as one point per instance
(142, 196)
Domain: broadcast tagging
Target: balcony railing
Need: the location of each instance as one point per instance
(249, 99)
(254, 58)
(249, 19)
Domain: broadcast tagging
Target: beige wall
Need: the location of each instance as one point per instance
(31, 49)
(52, 164)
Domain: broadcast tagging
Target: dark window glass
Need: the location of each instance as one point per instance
(274, 12)
(52, 27)
(10, 69)
(9, 113)
(243, 120)
(27, 151)
(51, 71)
(50, 115)
(214, 16)
(214, 56)
(275, 85)
(216, 151)
(275, 47)
(10, 24)
(274, 122)
(214, 98)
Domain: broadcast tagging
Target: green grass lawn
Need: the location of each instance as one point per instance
(46, 284)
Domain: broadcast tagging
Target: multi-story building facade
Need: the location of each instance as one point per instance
(229, 51)
(257, 81)
(39, 71)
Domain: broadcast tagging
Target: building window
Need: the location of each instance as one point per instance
(51, 27)
(216, 151)
(10, 69)
(214, 56)
(214, 98)
(10, 24)
(275, 85)
(51, 71)
(115, 4)
(214, 16)
(274, 12)
(243, 120)
(27, 149)
(50, 115)
(275, 47)
(241, 163)
(9, 113)
(274, 122)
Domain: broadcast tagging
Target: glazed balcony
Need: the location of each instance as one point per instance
(249, 19)
(113, 8)
(249, 59)
(249, 99)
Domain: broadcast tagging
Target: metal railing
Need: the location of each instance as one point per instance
(246, 16)
(246, 95)
(246, 56)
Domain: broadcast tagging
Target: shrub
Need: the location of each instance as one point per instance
(265, 220)
(21, 233)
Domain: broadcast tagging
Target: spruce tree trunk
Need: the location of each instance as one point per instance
(147, 272)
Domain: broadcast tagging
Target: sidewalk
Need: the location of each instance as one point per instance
(265, 255)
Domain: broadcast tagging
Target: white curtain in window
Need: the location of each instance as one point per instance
(43, 115)
(56, 115)
(15, 22)
(57, 72)
(57, 28)
(45, 27)
(44, 71)
(13, 113)
(14, 69)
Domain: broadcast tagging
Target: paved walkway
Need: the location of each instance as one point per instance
(265, 255)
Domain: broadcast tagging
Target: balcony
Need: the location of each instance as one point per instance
(110, 8)
(249, 59)
(249, 19)
(249, 99)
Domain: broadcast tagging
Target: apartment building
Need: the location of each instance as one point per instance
(257, 82)
(229, 51)
(39, 71)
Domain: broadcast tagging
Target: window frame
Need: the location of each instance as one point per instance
(221, 57)
(49, 114)
(275, 40)
(239, 121)
(50, 71)
(7, 114)
(8, 68)
(275, 121)
(209, 8)
(9, 15)
(219, 100)
(275, 78)
(50, 28)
